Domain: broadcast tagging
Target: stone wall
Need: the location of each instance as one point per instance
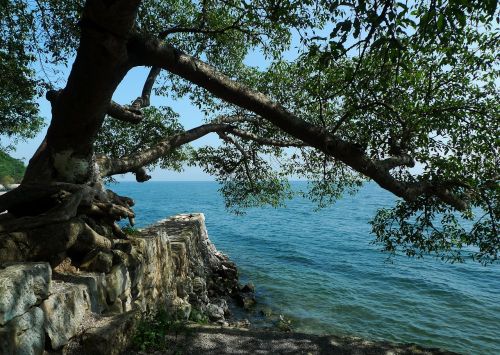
(171, 265)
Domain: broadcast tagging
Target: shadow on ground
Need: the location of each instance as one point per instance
(217, 340)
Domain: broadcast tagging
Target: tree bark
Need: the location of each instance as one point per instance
(78, 112)
(62, 185)
(109, 166)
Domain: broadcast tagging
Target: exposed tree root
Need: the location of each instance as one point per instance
(62, 212)
(51, 223)
(89, 239)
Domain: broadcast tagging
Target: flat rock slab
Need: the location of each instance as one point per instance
(106, 335)
(24, 335)
(64, 311)
(21, 287)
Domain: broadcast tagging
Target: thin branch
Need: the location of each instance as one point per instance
(145, 99)
(397, 161)
(244, 154)
(179, 29)
(265, 141)
(124, 113)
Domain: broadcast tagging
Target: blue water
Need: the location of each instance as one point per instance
(321, 269)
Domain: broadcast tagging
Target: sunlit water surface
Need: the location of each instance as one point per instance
(321, 270)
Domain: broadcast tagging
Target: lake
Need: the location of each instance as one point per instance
(320, 268)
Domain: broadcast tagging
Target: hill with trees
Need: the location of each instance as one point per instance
(11, 170)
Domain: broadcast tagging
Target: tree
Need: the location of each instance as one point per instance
(11, 170)
(374, 89)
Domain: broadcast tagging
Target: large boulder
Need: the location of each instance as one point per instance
(64, 312)
(109, 335)
(21, 287)
(24, 335)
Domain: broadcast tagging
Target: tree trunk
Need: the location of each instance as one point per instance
(66, 155)
(61, 203)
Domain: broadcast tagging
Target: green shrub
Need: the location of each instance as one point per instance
(152, 334)
(198, 317)
(129, 230)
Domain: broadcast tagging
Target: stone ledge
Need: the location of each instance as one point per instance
(171, 265)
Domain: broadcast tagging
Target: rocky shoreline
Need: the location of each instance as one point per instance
(172, 266)
(94, 307)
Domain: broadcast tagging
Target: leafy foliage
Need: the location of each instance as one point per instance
(415, 79)
(18, 86)
(246, 181)
(130, 230)
(422, 228)
(152, 334)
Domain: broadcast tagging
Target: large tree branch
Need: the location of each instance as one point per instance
(397, 161)
(124, 113)
(135, 162)
(152, 52)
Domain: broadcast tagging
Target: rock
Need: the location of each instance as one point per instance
(65, 266)
(222, 303)
(21, 287)
(228, 271)
(184, 287)
(64, 311)
(244, 323)
(109, 335)
(117, 283)
(171, 265)
(215, 312)
(249, 287)
(98, 260)
(123, 245)
(95, 284)
(222, 323)
(24, 335)
(120, 257)
(199, 285)
(180, 308)
(266, 312)
(246, 300)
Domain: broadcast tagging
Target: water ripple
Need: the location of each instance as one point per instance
(320, 269)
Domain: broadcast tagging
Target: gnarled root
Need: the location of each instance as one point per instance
(50, 223)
